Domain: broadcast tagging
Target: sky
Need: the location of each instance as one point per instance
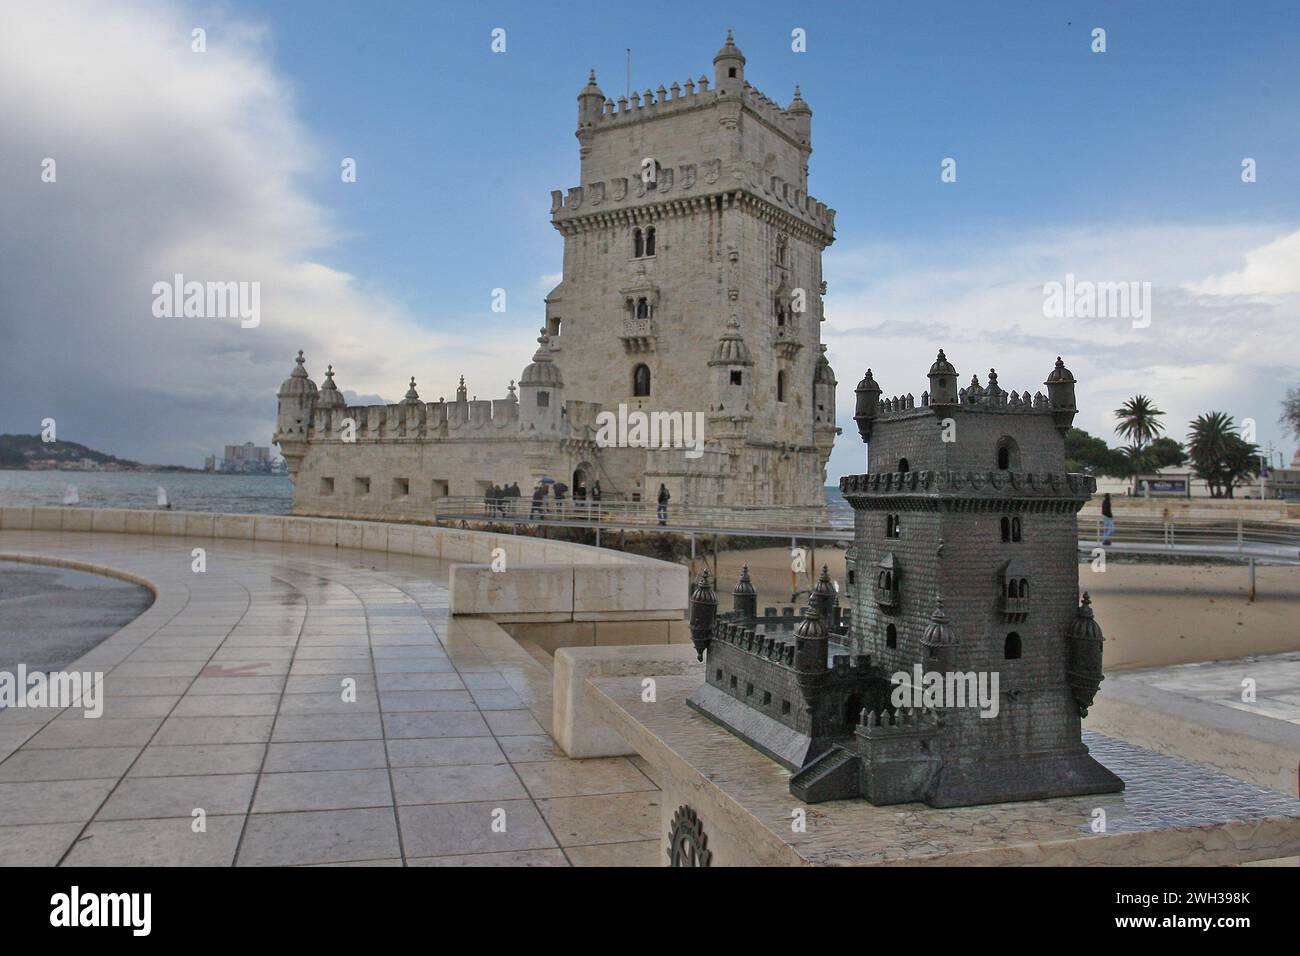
(1122, 165)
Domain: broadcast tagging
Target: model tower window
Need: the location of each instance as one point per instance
(641, 381)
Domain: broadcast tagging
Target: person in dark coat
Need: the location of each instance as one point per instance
(595, 498)
(664, 497)
(539, 501)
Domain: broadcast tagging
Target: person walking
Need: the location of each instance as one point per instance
(512, 496)
(664, 497)
(1107, 521)
(539, 501)
(595, 498)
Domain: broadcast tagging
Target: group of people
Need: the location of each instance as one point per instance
(549, 498)
(496, 500)
(558, 493)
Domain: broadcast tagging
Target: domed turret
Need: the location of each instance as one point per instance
(541, 392)
(294, 410)
(801, 113)
(1060, 395)
(824, 597)
(744, 599)
(733, 382)
(704, 611)
(810, 648)
(591, 101)
(824, 394)
(731, 348)
(1086, 640)
(943, 381)
(543, 370)
(329, 396)
(729, 68)
(412, 396)
(868, 404)
(938, 638)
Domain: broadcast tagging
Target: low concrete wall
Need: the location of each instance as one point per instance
(579, 728)
(567, 593)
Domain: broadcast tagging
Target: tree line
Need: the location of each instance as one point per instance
(1214, 450)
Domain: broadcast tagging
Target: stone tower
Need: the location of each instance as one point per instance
(693, 210)
(966, 561)
(970, 660)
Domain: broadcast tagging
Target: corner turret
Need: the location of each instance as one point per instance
(943, 382)
(729, 68)
(1060, 394)
(294, 409)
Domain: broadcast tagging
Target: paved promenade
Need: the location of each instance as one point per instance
(227, 697)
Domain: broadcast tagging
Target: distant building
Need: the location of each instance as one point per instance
(245, 459)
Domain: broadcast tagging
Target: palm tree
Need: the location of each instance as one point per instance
(1139, 422)
(1219, 454)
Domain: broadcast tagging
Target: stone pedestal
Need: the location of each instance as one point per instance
(740, 811)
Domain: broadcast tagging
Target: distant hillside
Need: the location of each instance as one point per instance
(29, 453)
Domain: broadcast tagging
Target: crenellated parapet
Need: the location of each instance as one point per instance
(970, 484)
(626, 199)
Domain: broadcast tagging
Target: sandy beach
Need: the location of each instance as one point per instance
(1151, 614)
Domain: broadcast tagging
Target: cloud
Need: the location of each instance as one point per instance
(170, 161)
(1224, 312)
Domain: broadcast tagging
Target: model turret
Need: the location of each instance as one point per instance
(824, 597)
(1086, 643)
(744, 599)
(943, 382)
(868, 404)
(704, 611)
(1060, 394)
(810, 650)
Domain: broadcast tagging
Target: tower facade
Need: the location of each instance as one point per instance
(691, 296)
(692, 211)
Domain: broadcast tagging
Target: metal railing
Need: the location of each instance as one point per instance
(645, 516)
(1202, 533)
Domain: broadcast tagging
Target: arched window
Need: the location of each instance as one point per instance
(889, 526)
(780, 386)
(1011, 588)
(641, 381)
(903, 465)
(782, 247)
(891, 636)
(1011, 649)
(1024, 588)
(1006, 529)
(650, 241)
(638, 244)
(779, 308)
(1015, 529)
(642, 308)
(1008, 454)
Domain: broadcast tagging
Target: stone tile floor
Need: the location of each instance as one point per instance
(228, 697)
(1276, 685)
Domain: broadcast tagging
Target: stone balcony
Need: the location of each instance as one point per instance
(638, 335)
